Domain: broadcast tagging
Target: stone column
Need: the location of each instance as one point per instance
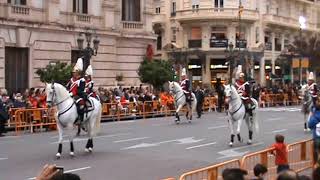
(262, 72)
(205, 37)
(273, 52)
(206, 73)
(282, 41)
(53, 10)
(108, 11)
(232, 34)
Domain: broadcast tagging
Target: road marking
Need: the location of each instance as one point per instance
(277, 131)
(217, 127)
(274, 119)
(201, 145)
(187, 140)
(98, 137)
(133, 139)
(3, 159)
(69, 171)
(233, 153)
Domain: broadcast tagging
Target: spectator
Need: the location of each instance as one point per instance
(304, 177)
(18, 102)
(281, 153)
(234, 174)
(4, 116)
(50, 172)
(288, 175)
(260, 172)
(220, 91)
(200, 98)
(66, 176)
(316, 173)
(314, 125)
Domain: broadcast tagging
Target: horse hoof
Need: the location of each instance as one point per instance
(189, 121)
(58, 155)
(86, 150)
(90, 149)
(230, 144)
(249, 142)
(72, 154)
(305, 130)
(177, 122)
(308, 130)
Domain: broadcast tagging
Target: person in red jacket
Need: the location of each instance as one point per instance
(281, 153)
(77, 91)
(89, 83)
(185, 85)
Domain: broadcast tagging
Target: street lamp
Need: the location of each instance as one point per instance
(88, 52)
(302, 22)
(230, 53)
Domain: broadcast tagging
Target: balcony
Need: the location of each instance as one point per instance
(215, 14)
(159, 19)
(286, 22)
(132, 25)
(22, 13)
(195, 43)
(268, 46)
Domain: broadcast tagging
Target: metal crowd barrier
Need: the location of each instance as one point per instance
(300, 157)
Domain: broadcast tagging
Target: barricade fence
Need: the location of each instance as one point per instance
(27, 119)
(300, 158)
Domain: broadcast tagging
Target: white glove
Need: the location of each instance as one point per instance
(71, 94)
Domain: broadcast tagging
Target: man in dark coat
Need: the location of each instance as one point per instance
(220, 91)
(4, 116)
(200, 98)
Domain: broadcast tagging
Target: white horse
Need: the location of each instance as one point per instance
(180, 101)
(57, 95)
(307, 105)
(237, 114)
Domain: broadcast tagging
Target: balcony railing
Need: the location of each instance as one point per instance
(268, 46)
(195, 43)
(287, 21)
(83, 18)
(132, 25)
(216, 13)
(20, 10)
(278, 47)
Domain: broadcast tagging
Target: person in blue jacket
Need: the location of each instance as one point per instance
(314, 125)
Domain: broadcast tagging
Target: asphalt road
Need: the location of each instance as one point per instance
(148, 149)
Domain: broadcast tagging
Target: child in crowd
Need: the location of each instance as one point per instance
(260, 172)
(281, 153)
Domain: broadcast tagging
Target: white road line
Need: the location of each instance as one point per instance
(277, 131)
(129, 140)
(274, 119)
(217, 127)
(3, 159)
(244, 147)
(69, 171)
(98, 137)
(202, 145)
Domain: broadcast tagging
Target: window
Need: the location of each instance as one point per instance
(218, 3)
(159, 42)
(173, 8)
(17, 2)
(196, 33)
(277, 11)
(80, 6)
(174, 35)
(158, 10)
(131, 10)
(257, 35)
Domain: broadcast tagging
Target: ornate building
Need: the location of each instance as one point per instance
(35, 32)
(197, 34)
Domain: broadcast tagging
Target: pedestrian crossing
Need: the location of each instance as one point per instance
(281, 109)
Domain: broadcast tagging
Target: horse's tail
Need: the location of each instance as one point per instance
(256, 117)
(98, 121)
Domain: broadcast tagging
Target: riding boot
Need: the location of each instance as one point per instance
(250, 135)
(239, 138)
(232, 138)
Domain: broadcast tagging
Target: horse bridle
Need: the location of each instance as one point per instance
(232, 99)
(175, 92)
(54, 94)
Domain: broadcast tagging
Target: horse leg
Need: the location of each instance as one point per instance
(232, 132)
(177, 114)
(60, 131)
(250, 127)
(238, 130)
(71, 148)
(305, 121)
(89, 146)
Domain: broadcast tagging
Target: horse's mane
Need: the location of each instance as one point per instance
(177, 85)
(60, 90)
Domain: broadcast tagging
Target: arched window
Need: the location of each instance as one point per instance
(131, 10)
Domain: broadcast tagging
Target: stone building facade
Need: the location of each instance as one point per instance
(35, 32)
(198, 33)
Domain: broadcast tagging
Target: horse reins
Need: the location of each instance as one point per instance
(54, 93)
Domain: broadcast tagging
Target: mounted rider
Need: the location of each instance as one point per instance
(77, 90)
(243, 89)
(89, 83)
(312, 87)
(185, 85)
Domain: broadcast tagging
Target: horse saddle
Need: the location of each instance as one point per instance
(88, 105)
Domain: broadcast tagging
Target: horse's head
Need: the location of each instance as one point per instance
(173, 87)
(51, 93)
(228, 90)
